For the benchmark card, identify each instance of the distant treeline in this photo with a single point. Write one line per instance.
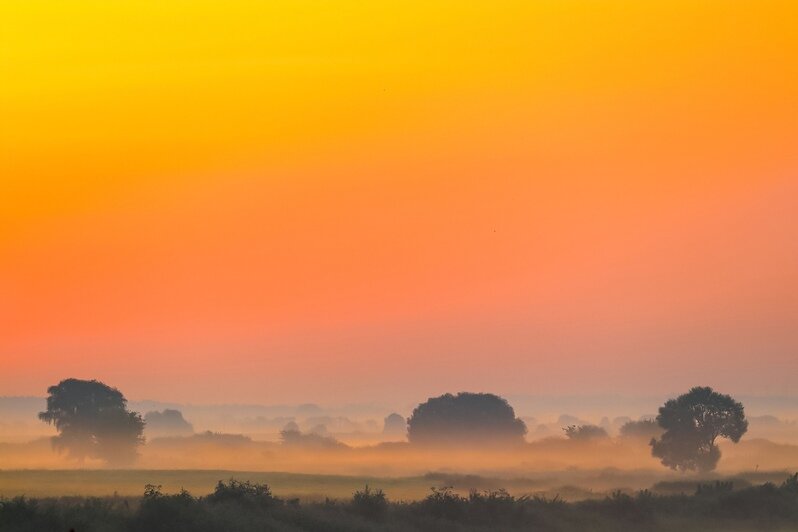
(93, 422)
(246, 506)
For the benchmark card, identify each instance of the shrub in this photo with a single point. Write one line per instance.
(719, 487)
(167, 513)
(245, 493)
(493, 507)
(371, 504)
(443, 503)
(791, 484)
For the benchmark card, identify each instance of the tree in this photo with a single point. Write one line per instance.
(294, 438)
(93, 421)
(585, 432)
(395, 426)
(291, 426)
(645, 430)
(465, 418)
(692, 423)
(169, 422)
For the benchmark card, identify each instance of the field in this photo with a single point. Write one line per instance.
(252, 506)
(569, 485)
(130, 482)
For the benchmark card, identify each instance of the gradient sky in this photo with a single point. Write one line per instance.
(340, 201)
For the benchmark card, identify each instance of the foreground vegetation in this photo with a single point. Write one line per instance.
(245, 506)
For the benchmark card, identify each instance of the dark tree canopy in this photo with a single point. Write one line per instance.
(464, 419)
(692, 423)
(93, 421)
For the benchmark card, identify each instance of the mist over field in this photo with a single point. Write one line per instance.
(84, 454)
(357, 441)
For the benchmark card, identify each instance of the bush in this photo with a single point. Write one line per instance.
(370, 504)
(719, 487)
(244, 493)
(491, 507)
(791, 484)
(249, 507)
(443, 503)
(159, 512)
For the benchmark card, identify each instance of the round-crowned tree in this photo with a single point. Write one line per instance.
(395, 426)
(168, 422)
(692, 423)
(93, 421)
(465, 419)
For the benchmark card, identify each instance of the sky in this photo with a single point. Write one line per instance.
(335, 201)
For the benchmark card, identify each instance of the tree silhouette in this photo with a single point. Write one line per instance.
(169, 422)
(692, 423)
(465, 418)
(294, 438)
(93, 421)
(645, 429)
(585, 432)
(395, 426)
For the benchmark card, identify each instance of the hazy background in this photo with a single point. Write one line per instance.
(773, 418)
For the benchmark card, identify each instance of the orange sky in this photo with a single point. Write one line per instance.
(345, 201)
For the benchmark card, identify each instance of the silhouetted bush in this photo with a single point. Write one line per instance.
(245, 506)
(244, 493)
(444, 503)
(22, 514)
(719, 487)
(158, 512)
(496, 506)
(623, 506)
(371, 504)
(791, 484)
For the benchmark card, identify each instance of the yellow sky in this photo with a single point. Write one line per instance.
(351, 188)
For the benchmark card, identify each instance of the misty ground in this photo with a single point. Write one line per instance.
(353, 448)
(549, 482)
(550, 467)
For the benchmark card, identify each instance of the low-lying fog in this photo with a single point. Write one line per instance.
(369, 440)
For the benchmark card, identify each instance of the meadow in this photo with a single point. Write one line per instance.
(244, 506)
(583, 479)
(570, 485)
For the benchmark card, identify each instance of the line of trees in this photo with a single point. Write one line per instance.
(93, 421)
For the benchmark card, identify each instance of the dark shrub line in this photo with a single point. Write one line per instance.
(244, 506)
